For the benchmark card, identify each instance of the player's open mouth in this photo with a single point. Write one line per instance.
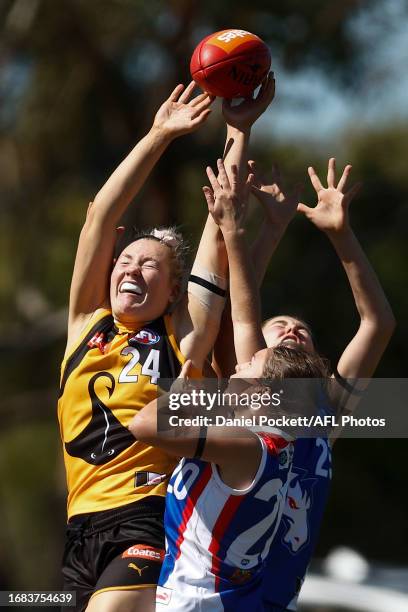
(130, 287)
(290, 342)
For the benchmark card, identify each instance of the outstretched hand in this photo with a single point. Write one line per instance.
(279, 205)
(243, 115)
(180, 114)
(331, 213)
(227, 198)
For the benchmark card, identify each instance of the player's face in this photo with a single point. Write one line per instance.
(141, 283)
(254, 368)
(288, 331)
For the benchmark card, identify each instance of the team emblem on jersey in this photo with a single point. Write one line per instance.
(295, 513)
(104, 437)
(145, 336)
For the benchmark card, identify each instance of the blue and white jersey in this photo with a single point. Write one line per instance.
(217, 537)
(298, 531)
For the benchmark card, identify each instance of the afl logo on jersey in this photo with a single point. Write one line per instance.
(145, 336)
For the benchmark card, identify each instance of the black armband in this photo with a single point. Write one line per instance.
(202, 439)
(346, 385)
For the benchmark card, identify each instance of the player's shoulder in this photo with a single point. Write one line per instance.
(82, 326)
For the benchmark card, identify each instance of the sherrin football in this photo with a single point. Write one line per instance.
(230, 63)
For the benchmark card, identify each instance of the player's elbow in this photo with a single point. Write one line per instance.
(387, 324)
(381, 327)
(141, 429)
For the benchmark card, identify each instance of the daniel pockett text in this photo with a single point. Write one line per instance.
(358, 408)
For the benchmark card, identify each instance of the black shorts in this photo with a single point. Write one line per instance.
(119, 548)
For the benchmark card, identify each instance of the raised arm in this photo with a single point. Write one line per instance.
(279, 208)
(331, 215)
(178, 115)
(197, 320)
(226, 203)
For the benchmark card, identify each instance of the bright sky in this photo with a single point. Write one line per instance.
(313, 105)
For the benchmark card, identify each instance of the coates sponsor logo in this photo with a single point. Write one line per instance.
(140, 551)
(163, 595)
(146, 336)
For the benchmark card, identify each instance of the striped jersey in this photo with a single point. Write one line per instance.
(217, 537)
(296, 538)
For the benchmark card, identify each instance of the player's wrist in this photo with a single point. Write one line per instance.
(162, 135)
(239, 129)
(339, 234)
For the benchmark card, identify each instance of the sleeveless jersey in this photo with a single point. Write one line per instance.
(217, 537)
(110, 375)
(296, 538)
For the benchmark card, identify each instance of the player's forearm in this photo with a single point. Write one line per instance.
(211, 254)
(371, 302)
(245, 302)
(126, 181)
(263, 248)
(236, 151)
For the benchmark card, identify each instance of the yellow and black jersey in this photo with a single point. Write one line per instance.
(110, 375)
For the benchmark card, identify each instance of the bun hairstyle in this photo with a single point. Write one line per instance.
(166, 235)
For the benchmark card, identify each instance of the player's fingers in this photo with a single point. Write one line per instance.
(185, 96)
(198, 99)
(248, 185)
(267, 90)
(209, 196)
(252, 167)
(305, 210)
(331, 172)
(260, 178)
(203, 105)
(234, 177)
(222, 174)
(343, 180)
(314, 179)
(197, 121)
(176, 92)
(213, 179)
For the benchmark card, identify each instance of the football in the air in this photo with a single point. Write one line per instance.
(230, 63)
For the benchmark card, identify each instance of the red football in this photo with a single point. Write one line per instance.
(230, 63)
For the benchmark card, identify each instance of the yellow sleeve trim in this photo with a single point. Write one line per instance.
(196, 373)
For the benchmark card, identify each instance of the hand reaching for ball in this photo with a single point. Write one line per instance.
(227, 198)
(243, 115)
(181, 114)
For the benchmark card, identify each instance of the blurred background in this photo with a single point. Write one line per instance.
(79, 84)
